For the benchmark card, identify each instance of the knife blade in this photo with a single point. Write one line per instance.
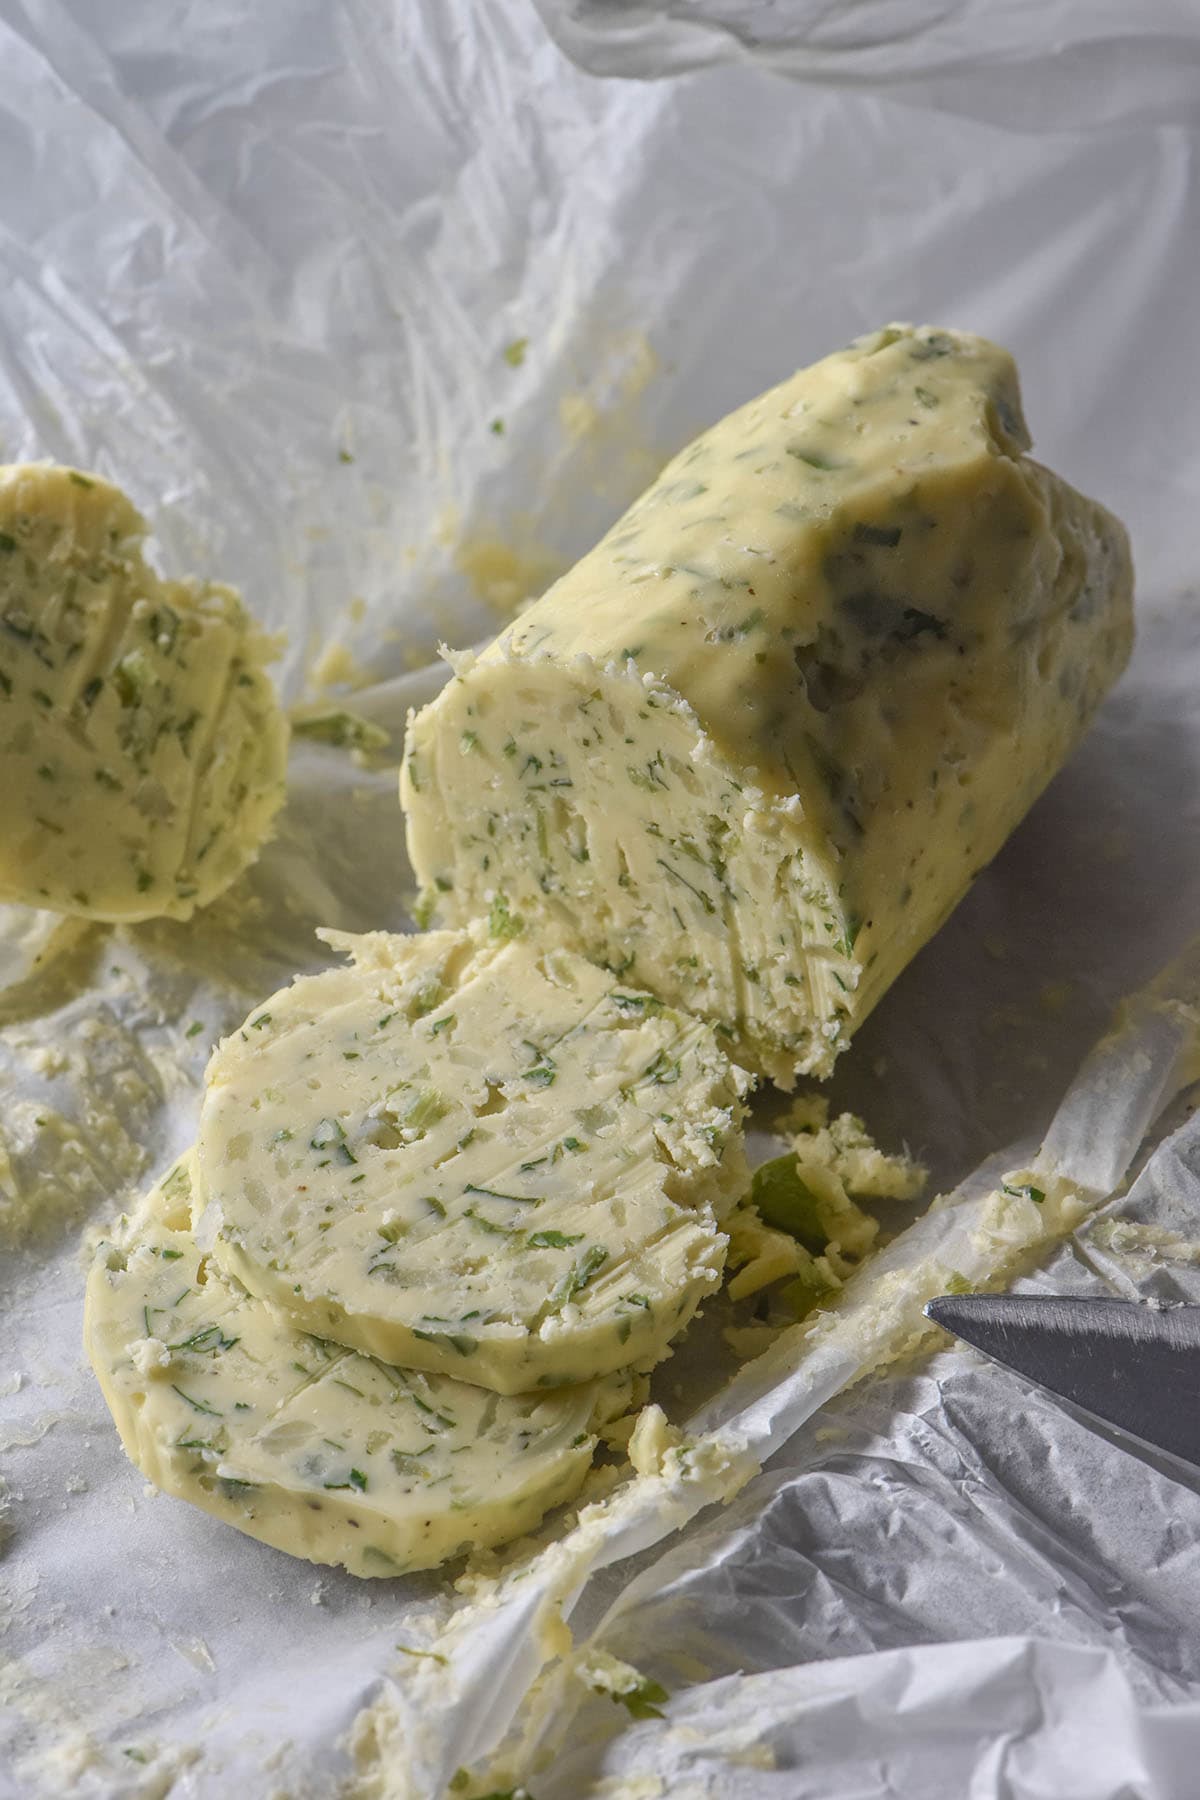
(1131, 1364)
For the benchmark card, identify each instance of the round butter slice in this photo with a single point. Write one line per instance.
(474, 1157)
(142, 747)
(304, 1445)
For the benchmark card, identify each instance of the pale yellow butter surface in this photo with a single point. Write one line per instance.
(306, 1446)
(142, 748)
(467, 1154)
(756, 745)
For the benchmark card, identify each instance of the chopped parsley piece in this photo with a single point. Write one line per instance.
(589, 1265)
(196, 1405)
(494, 1194)
(785, 1201)
(664, 1071)
(330, 1135)
(355, 1479)
(641, 1702)
(502, 921)
(205, 1342)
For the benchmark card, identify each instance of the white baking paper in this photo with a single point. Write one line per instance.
(1110, 64)
(282, 272)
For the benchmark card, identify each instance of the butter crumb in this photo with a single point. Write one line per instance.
(148, 1354)
(651, 1439)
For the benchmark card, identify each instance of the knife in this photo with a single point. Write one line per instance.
(1131, 1364)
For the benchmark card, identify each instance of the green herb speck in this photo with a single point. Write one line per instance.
(196, 1405)
(643, 1701)
(503, 923)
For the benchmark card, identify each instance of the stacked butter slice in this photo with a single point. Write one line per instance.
(445, 1202)
(303, 1444)
(692, 812)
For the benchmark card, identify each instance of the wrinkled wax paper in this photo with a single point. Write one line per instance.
(383, 316)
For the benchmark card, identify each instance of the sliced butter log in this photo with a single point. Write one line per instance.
(314, 1449)
(755, 746)
(142, 748)
(484, 1160)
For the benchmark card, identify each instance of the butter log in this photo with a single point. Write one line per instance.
(753, 749)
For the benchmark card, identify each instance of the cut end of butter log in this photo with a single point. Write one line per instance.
(471, 1156)
(142, 747)
(753, 749)
(300, 1443)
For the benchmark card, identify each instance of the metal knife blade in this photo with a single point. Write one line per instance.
(1128, 1363)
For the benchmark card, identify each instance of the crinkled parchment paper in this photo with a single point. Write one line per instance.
(383, 316)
